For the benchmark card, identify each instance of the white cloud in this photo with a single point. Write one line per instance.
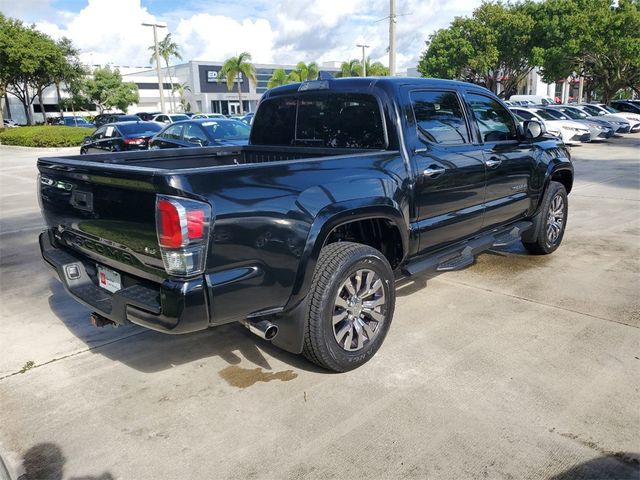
(285, 31)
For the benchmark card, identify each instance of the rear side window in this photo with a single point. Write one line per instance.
(494, 121)
(439, 117)
(320, 119)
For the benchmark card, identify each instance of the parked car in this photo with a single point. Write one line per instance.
(103, 118)
(632, 118)
(208, 115)
(571, 132)
(299, 235)
(248, 118)
(533, 99)
(626, 106)
(120, 136)
(74, 122)
(169, 118)
(599, 130)
(8, 123)
(201, 132)
(621, 124)
(147, 116)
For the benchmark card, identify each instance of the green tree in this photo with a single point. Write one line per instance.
(68, 75)
(304, 72)
(493, 46)
(235, 67)
(167, 48)
(352, 68)
(181, 89)
(375, 69)
(595, 38)
(278, 77)
(107, 90)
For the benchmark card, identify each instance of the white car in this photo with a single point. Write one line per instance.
(532, 99)
(208, 115)
(569, 131)
(166, 118)
(606, 111)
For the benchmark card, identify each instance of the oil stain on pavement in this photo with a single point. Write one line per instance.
(245, 377)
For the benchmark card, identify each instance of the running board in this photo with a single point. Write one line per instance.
(464, 254)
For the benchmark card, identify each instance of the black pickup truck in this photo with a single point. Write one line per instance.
(345, 185)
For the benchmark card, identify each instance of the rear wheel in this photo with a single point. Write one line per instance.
(549, 225)
(352, 299)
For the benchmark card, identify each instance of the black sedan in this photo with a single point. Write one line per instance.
(201, 133)
(119, 136)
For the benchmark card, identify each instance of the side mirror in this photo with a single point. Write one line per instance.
(196, 141)
(87, 139)
(533, 129)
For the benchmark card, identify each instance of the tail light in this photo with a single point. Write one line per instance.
(183, 234)
(135, 141)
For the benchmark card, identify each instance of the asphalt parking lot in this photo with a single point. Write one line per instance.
(518, 367)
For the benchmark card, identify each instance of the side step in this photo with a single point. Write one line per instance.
(464, 254)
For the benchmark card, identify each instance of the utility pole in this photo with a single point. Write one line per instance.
(392, 37)
(157, 55)
(364, 65)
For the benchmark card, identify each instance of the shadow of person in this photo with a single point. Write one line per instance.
(45, 461)
(615, 466)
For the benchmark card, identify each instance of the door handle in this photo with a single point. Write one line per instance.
(493, 162)
(433, 172)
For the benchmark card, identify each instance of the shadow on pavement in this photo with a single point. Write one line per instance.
(45, 461)
(617, 466)
(149, 351)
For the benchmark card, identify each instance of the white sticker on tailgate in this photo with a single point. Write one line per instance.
(109, 279)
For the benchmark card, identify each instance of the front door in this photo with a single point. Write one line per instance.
(510, 161)
(450, 181)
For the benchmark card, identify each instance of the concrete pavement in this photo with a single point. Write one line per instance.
(517, 367)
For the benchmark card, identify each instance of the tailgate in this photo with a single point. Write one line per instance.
(107, 212)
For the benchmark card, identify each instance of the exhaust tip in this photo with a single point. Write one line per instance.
(271, 332)
(263, 328)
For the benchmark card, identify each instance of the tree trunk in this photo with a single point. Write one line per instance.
(6, 100)
(4, 96)
(173, 103)
(59, 99)
(240, 97)
(27, 105)
(41, 103)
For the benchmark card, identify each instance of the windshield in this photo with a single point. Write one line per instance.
(140, 127)
(569, 112)
(227, 130)
(611, 109)
(544, 115)
(178, 118)
(74, 121)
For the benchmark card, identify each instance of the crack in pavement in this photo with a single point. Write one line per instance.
(537, 302)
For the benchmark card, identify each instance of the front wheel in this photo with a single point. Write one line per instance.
(352, 299)
(549, 224)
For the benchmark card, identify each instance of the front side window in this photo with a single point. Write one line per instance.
(320, 119)
(227, 129)
(439, 117)
(194, 134)
(494, 121)
(174, 132)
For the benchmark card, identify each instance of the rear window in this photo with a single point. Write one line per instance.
(320, 119)
(140, 127)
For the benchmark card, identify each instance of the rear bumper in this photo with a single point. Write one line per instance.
(175, 306)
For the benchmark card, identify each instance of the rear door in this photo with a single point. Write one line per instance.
(509, 159)
(450, 180)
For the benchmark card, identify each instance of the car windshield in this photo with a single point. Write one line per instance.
(557, 114)
(572, 113)
(75, 121)
(592, 110)
(544, 115)
(226, 130)
(178, 118)
(139, 127)
(611, 109)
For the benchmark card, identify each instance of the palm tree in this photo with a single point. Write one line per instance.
(167, 48)
(278, 78)
(181, 89)
(352, 68)
(304, 72)
(237, 66)
(376, 69)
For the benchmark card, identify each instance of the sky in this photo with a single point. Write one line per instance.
(276, 31)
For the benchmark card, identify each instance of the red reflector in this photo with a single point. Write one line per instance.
(195, 223)
(170, 231)
(134, 141)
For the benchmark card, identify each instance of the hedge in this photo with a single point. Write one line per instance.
(44, 136)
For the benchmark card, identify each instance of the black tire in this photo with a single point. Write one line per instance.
(339, 263)
(538, 240)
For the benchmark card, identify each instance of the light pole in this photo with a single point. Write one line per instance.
(157, 55)
(364, 65)
(392, 37)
